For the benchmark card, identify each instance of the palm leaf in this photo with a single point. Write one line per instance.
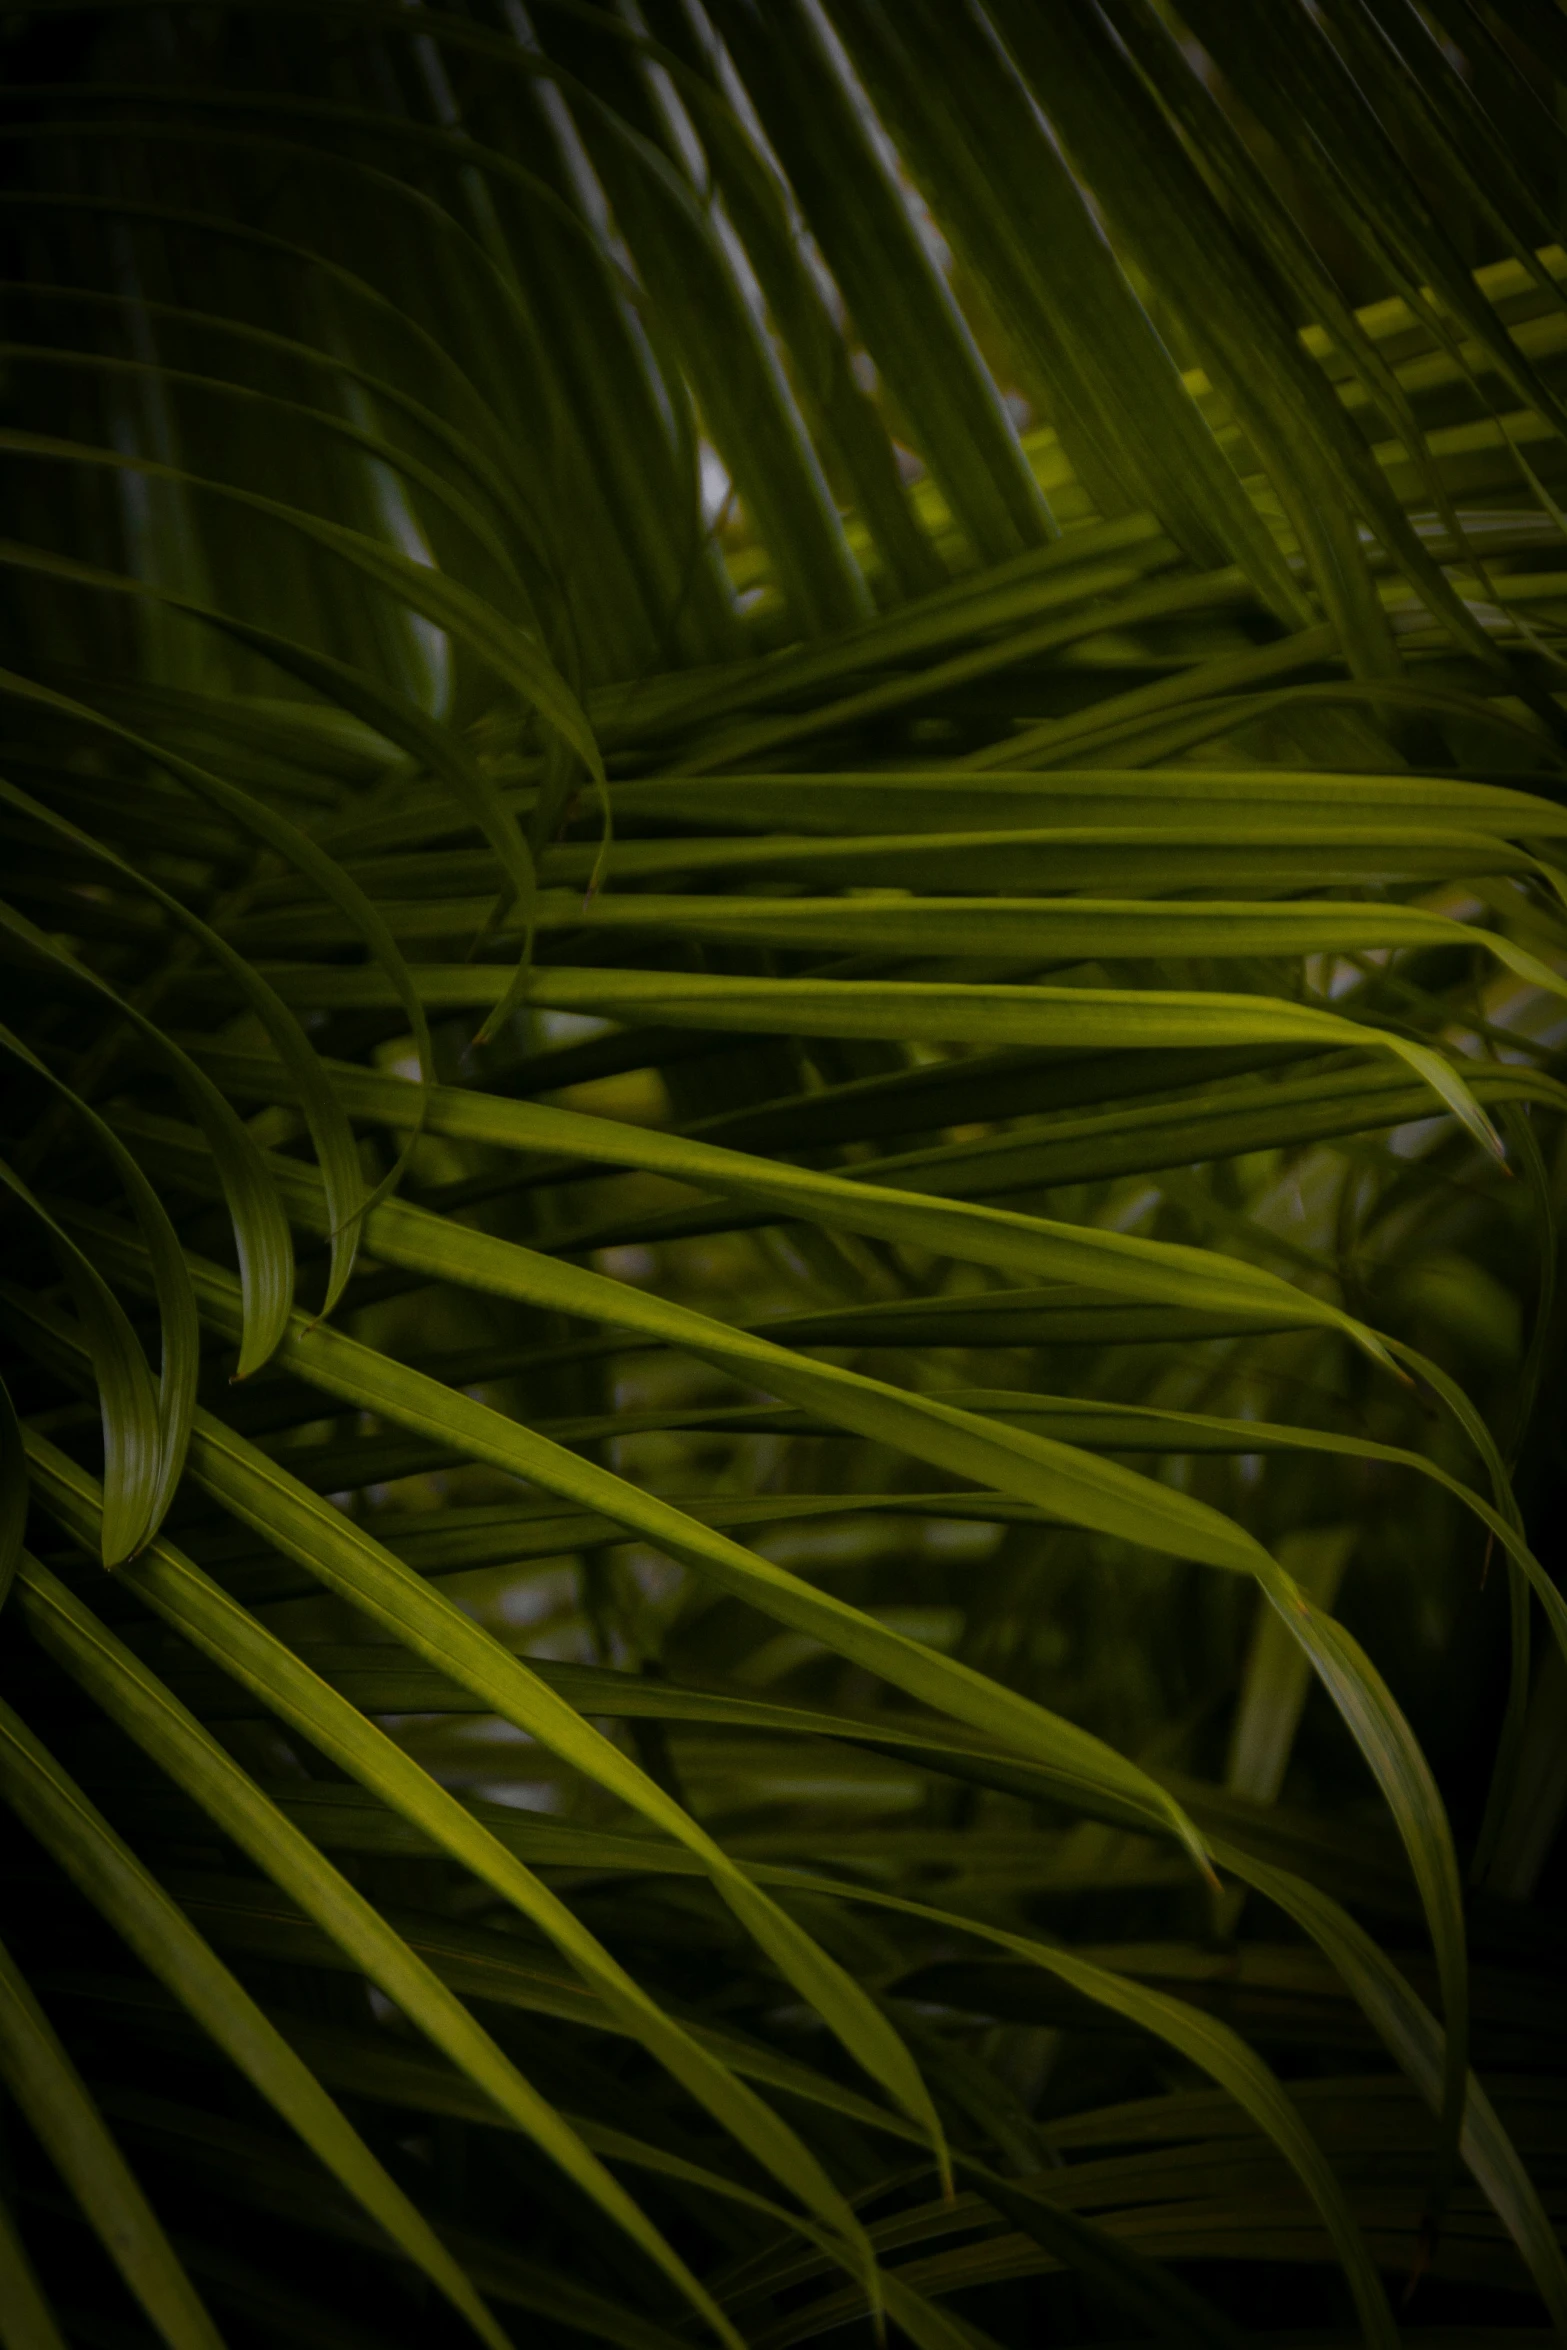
(733, 1602)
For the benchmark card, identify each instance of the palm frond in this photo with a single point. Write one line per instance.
(784, 945)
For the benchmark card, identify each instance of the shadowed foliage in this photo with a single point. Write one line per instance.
(785, 805)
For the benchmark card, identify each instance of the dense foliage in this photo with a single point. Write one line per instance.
(784, 792)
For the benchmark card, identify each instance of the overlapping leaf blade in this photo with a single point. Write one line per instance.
(1058, 606)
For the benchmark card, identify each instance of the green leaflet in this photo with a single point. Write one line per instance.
(1409, 1788)
(274, 2183)
(334, 1150)
(157, 1930)
(1227, 2060)
(354, 1564)
(26, 2320)
(51, 2093)
(394, 717)
(161, 1726)
(1251, 197)
(1088, 928)
(900, 301)
(1039, 1470)
(521, 663)
(947, 799)
(177, 1317)
(749, 739)
(261, 1238)
(306, 111)
(334, 1143)
(367, 2065)
(1136, 1428)
(1157, 1514)
(1108, 1019)
(1109, 384)
(689, 267)
(1095, 1492)
(840, 414)
(132, 1445)
(1409, 2029)
(462, 511)
(1158, 203)
(1305, 88)
(1284, 1113)
(353, 2060)
(1418, 2043)
(1105, 1495)
(487, 478)
(1406, 2026)
(1074, 929)
(1029, 1248)
(1063, 1482)
(1154, 853)
(240, 1914)
(399, 720)
(447, 379)
(1509, 1749)
(187, 1599)
(1069, 570)
(357, 2062)
(1085, 1018)
(507, 1534)
(1142, 2288)
(1160, 722)
(1126, 2279)
(234, 1469)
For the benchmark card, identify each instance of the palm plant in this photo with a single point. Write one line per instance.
(783, 939)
